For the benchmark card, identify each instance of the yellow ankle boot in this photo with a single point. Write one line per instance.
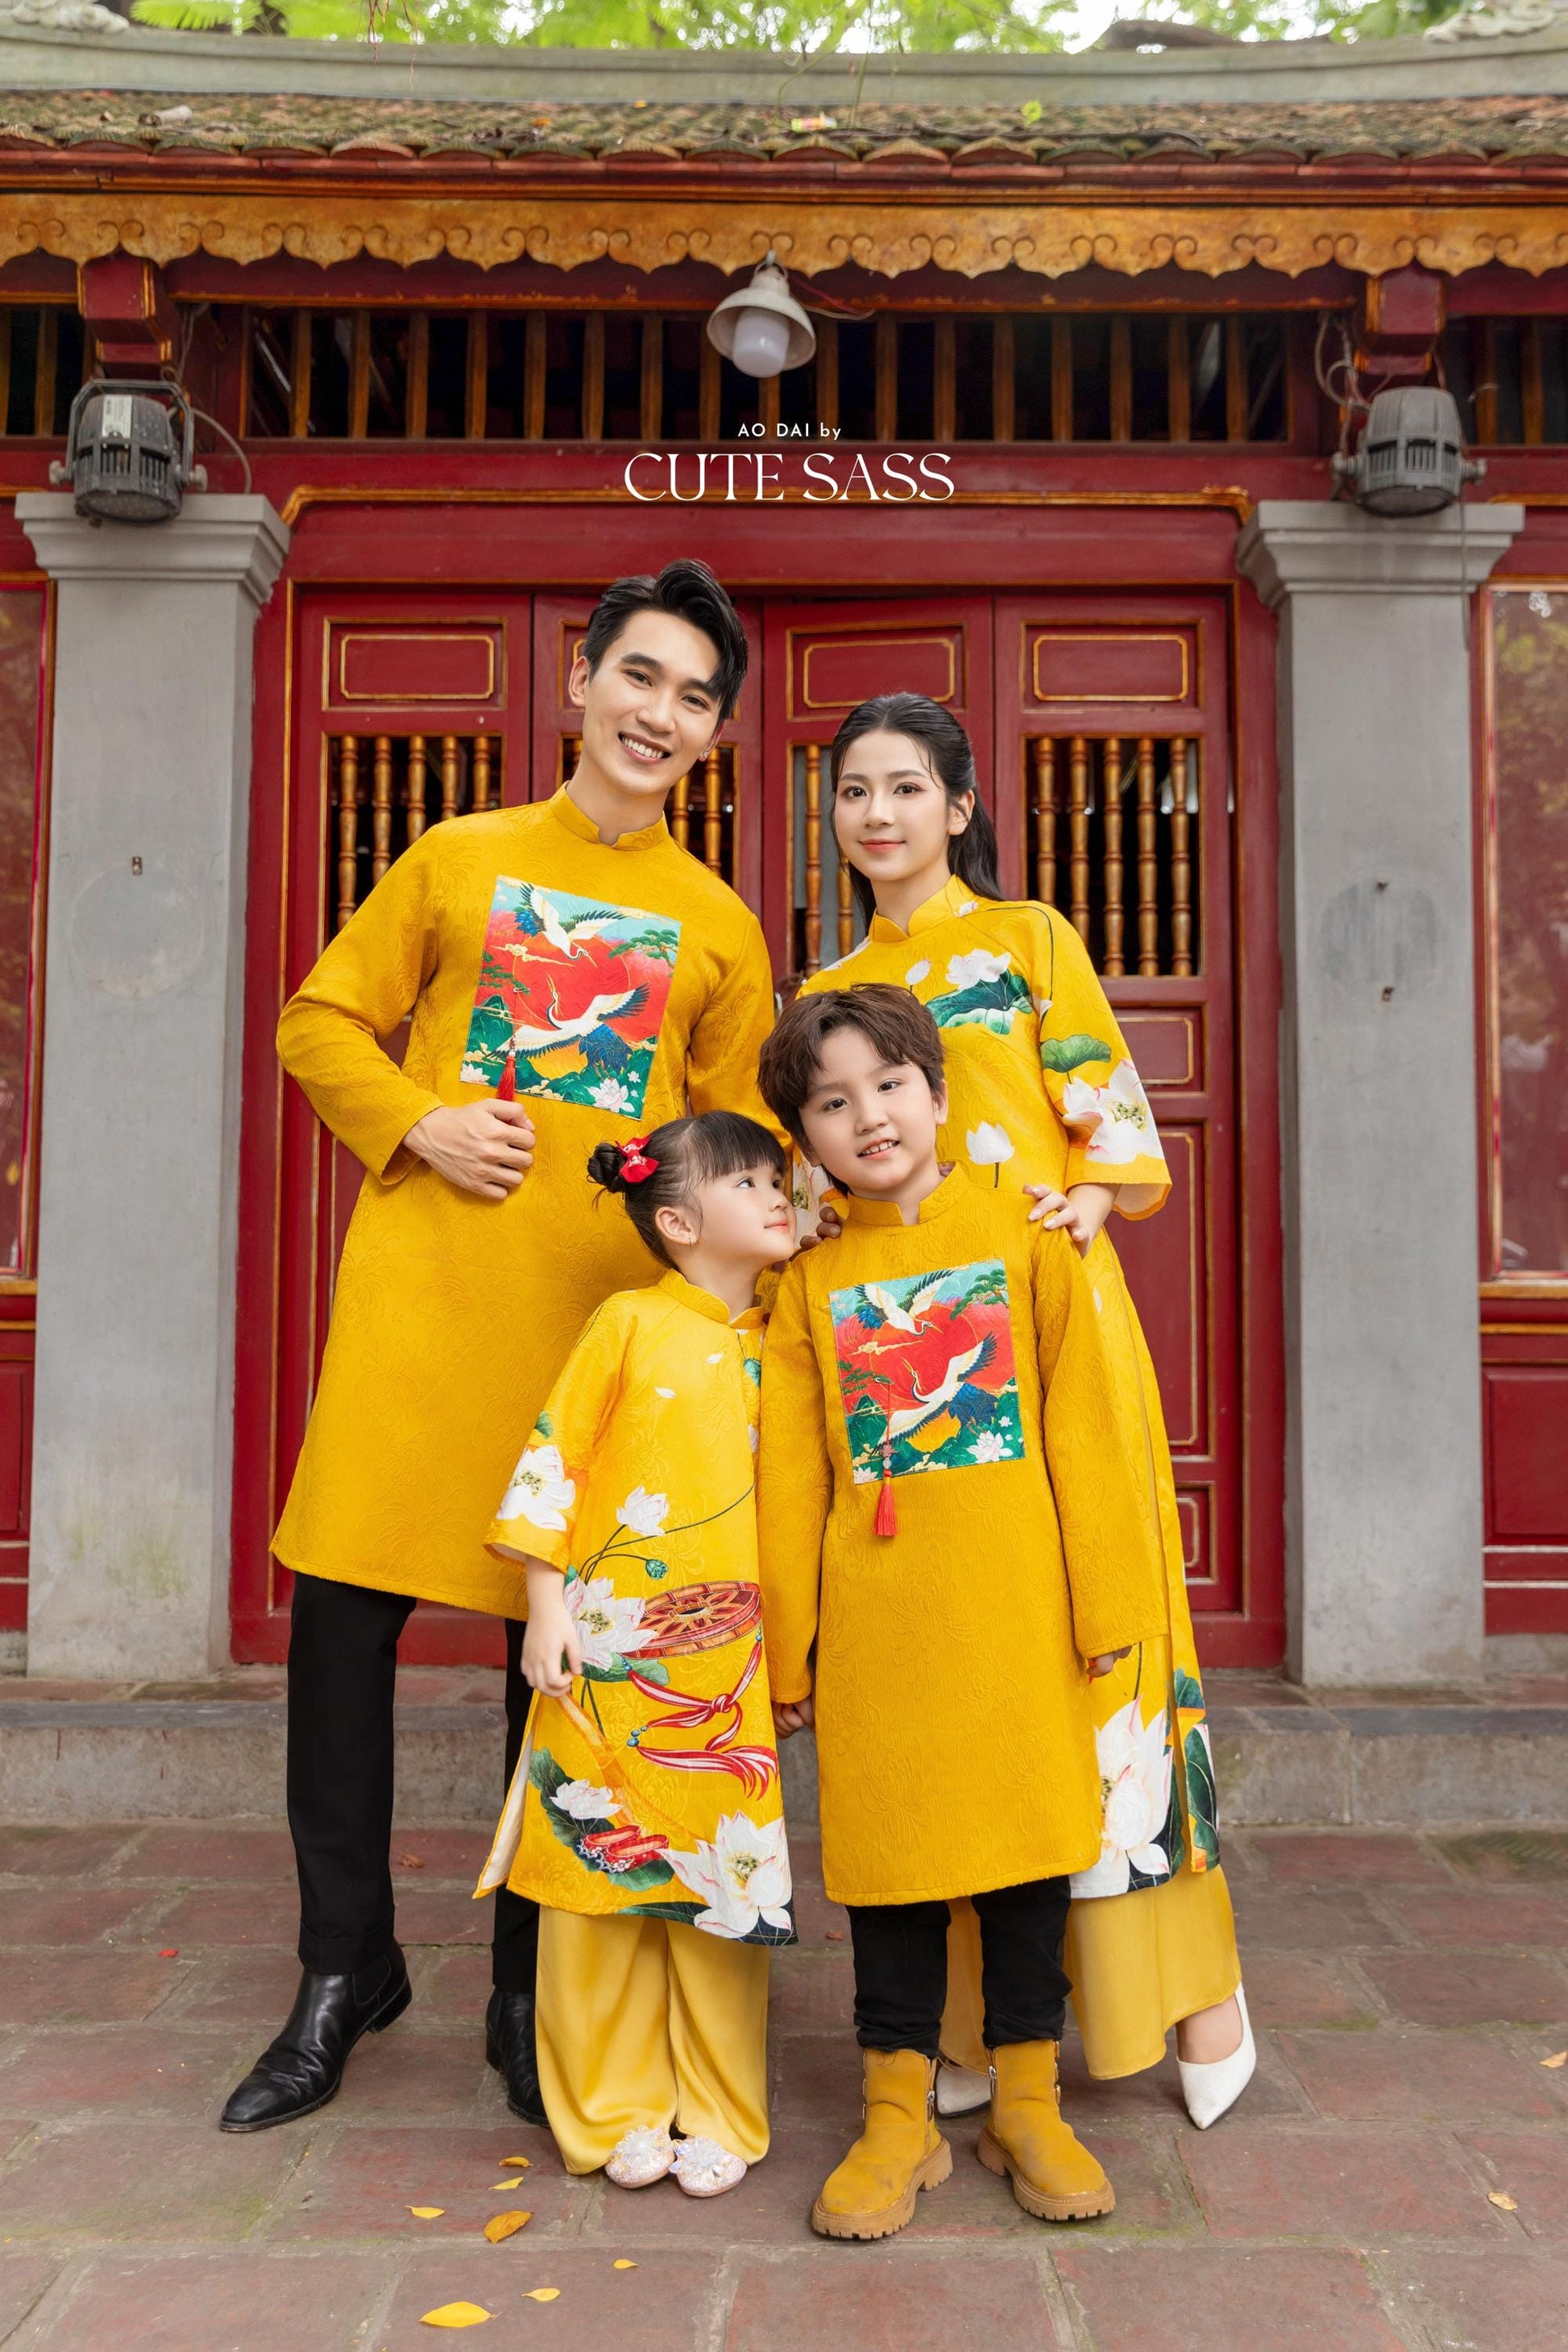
(1053, 2173)
(899, 2151)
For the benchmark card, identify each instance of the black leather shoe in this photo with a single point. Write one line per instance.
(304, 2067)
(509, 2046)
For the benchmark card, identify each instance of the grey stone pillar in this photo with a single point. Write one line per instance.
(1378, 1083)
(143, 1013)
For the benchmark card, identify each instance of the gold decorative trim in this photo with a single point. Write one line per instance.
(340, 494)
(810, 232)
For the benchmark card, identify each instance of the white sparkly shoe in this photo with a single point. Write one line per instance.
(703, 2168)
(960, 2090)
(1210, 2088)
(641, 2157)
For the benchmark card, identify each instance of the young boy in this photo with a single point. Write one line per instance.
(948, 1516)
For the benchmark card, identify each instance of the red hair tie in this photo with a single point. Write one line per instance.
(635, 1165)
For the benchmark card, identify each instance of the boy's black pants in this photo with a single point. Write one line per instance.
(900, 1968)
(342, 1667)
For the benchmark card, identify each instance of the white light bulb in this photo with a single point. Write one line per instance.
(762, 342)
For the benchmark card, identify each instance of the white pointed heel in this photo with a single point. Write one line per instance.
(1210, 2089)
(960, 2090)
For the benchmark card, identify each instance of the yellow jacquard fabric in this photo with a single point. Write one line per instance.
(954, 1740)
(628, 983)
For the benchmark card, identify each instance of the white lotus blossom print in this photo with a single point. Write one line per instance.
(607, 1627)
(1135, 1780)
(611, 1095)
(540, 1492)
(743, 1876)
(989, 1447)
(644, 1513)
(917, 973)
(1117, 1115)
(988, 1145)
(972, 970)
(585, 1802)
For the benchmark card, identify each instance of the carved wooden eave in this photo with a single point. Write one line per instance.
(1363, 213)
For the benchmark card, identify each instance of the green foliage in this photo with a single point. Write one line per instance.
(1361, 20)
(338, 20)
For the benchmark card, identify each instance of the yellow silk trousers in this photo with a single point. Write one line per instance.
(1138, 1964)
(649, 2022)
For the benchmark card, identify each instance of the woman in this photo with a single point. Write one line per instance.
(1045, 1098)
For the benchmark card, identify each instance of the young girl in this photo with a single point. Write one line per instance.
(1044, 1097)
(644, 1815)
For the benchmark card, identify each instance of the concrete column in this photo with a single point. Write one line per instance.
(134, 1406)
(1378, 1083)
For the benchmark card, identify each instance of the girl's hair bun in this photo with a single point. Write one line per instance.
(604, 1167)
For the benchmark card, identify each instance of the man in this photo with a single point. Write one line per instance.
(571, 975)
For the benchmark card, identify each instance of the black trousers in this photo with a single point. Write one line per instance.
(900, 1968)
(342, 1669)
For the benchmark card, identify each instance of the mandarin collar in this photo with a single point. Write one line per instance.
(565, 811)
(955, 897)
(702, 1302)
(949, 1194)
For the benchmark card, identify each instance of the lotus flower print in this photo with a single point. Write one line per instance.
(607, 1627)
(743, 1876)
(988, 1145)
(1135, 1779)
(644, 1513)
(971, 970)
(916, 973)
(1118, 1116)
(611, 1095)
(585, 1802)
(540, 1492)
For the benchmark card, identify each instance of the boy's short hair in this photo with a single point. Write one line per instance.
(688, 591)
(890, 1019)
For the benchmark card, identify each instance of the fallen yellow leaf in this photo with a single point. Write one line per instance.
(426, 2212)
(622, 2263)
(542, 2294)
(505, 2225)
(517, 2163)
(1495, 2197)
(455, 2315)
(509, 2186)
(1558, 2058)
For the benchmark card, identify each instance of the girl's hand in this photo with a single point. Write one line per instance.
(799, 1716)
(551, 1653)
(1079, 1213)
(829, 1223)
(1102, 1665)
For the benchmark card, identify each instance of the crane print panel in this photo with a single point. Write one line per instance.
(569, 998)
(926, 1371)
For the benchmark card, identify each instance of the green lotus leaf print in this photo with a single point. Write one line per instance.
(983, 991)
(1064, 1054)
(571, 996)
(1198, 1763)
(592, 1822)
(926, 1367)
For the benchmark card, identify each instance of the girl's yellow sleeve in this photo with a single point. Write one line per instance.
(1094, 1088)
(721, 1058)
(537, 1516)
(365, 981)
(1115, 1567)
(794, 1485)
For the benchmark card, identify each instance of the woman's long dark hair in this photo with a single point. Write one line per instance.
(972, 854)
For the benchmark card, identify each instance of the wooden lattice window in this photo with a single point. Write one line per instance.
(1113, 831)
(44, 358)
(826, 921)
(386, 790)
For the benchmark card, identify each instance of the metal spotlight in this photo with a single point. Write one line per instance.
(122, 459)
(762, 328)
(1412, 456)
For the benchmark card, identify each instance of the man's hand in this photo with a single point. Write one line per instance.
(480, 1147)
(1079, 1213)
(1102, 1665)
(551, 1653)
(800, 1714)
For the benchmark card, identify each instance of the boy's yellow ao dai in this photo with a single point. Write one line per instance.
(955, 1745)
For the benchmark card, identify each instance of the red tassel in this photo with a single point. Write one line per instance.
(886, 1522)
(507, 1090)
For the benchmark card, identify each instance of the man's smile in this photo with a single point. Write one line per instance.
(641, 749)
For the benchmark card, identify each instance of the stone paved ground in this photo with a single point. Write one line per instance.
(1406, 1990)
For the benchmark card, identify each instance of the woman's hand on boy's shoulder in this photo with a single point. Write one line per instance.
(796, 1715)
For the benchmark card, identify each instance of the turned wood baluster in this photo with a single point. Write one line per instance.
(1045, 819)
(813, 857)
(380, 810)
(680, 813)
(1115, 918)
(713, 811)
(451, 775)
(481, 771)
(348, 827)
(418, 772)
(846, 907)
(1148, 862)
(1078, 832)
(1181, 864)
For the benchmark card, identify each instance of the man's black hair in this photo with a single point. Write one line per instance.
(688, 590)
